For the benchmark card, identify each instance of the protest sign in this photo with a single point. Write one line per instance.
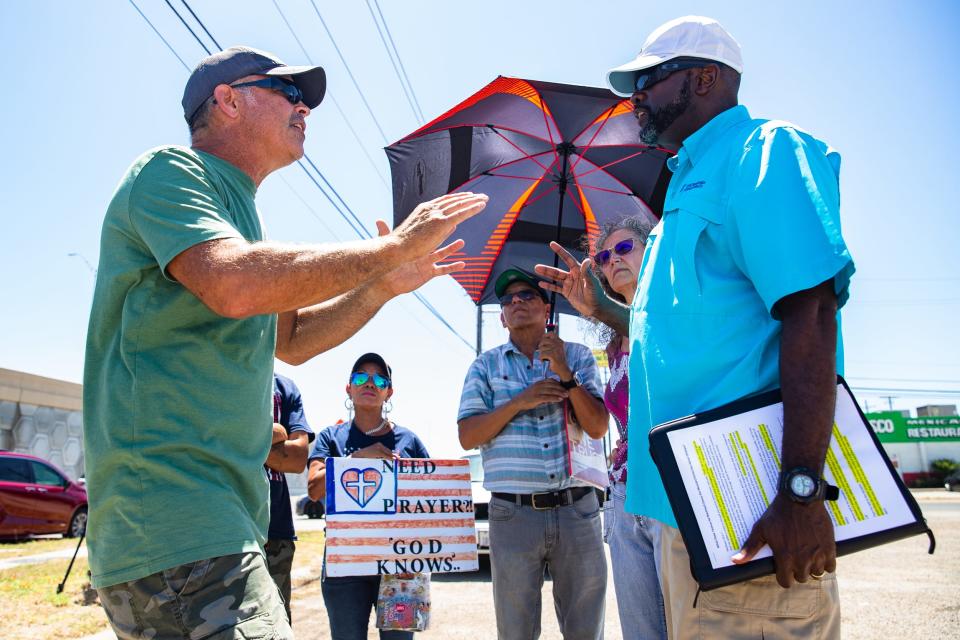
(399, 516)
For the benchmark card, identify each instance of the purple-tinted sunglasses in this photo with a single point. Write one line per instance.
(622, 248)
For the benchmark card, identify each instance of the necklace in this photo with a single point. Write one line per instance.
(377, 429)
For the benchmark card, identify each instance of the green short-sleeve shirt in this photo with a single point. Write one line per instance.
(175, 396)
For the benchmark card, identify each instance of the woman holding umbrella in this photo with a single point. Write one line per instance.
(370, 434)
(616, 266)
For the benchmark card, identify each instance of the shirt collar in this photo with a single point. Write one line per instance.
(701, 140)
(508, 346)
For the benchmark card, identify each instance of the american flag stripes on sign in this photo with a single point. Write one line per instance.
(399, 516)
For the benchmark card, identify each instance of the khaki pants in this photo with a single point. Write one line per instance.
(751, 610)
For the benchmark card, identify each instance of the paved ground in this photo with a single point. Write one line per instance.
(43, 557)
(893, 591)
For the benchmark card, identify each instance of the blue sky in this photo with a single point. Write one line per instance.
(92, 87)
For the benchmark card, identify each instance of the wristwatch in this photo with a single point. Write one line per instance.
(571, 383)
(804, 485)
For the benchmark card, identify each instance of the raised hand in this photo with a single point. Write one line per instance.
(579, 285)
(410, 276)
(432, 222)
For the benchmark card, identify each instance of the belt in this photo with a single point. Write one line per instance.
(547, 500)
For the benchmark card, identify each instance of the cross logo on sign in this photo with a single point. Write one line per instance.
(361, 484)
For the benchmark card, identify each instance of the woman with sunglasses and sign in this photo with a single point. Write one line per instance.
(620, 249)
(369, 434)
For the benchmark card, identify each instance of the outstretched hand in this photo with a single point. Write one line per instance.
(432, 222)
(410, 276)
(580, 285)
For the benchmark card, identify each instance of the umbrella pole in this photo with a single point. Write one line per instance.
(479, 328)
(564, 148)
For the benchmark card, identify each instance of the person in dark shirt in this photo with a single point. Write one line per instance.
(288, 454)
(370, 434)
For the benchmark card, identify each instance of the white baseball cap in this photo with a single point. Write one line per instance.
(686, 37)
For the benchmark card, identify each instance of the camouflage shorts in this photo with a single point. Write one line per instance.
(215, 599)
(280, 563)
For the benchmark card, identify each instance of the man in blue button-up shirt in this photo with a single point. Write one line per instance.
(513, 409)
(738, 294)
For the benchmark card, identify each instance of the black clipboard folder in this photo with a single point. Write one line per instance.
(704, 572)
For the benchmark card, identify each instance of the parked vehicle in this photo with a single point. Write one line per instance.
(313, 509)
(38, 498)
(952, 481)
(481, 502)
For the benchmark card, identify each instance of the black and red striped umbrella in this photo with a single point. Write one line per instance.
(556, 160)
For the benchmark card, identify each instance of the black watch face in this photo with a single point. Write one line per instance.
(803, 485)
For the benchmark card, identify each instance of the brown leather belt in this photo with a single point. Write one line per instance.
(544, 501)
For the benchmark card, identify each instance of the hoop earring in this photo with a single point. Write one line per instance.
(387, 407)
(348, 404)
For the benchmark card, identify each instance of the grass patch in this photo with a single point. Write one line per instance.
(32, 608)
(310, 544)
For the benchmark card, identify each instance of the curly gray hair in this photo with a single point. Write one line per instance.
(640, 228)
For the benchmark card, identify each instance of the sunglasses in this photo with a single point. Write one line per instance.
(359, 378)
(622, 248)
(660, 72)
(526, 295)
(289, 90)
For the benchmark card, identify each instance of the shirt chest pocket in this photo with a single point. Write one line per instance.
(677, 277)
(506, 388)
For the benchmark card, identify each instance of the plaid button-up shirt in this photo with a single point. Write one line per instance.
(530, 454)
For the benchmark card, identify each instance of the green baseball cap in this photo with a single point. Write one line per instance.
(515, 274)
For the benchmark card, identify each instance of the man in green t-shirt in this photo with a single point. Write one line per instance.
(191, 306)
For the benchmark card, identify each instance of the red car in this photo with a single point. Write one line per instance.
(36, 497)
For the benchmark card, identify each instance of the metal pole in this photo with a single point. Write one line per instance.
(60, 586)
(479, 328)
(564, 149)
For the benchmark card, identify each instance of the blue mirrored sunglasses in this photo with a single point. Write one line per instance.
(622, 248)
(289, 90)
(359, 378)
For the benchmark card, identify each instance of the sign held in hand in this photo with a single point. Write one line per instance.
(399, 516)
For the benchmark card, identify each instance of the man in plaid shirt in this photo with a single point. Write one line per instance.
(514, 405)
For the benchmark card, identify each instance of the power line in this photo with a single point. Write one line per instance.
(345, 65)
(359, 228)
(200, 22)
(396, 70)
(189, 28)
(884, 391)
(310, 209)
(396, 52)
(160, 35)
(329, 95)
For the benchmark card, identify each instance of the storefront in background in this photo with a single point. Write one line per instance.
(913, 443)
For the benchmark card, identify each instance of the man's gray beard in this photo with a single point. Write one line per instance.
(660, 120)
(649, 133)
